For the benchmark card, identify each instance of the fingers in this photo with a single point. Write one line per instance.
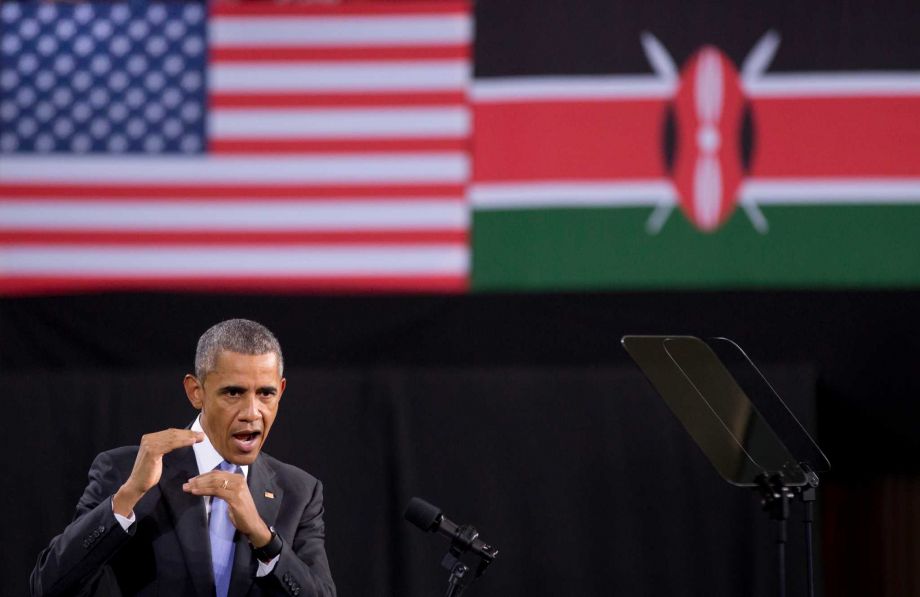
(217, 483)
(163, 442)
(231, 488)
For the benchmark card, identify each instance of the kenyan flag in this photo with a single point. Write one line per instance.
(687, 145)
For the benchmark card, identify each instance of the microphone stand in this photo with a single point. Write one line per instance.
(459, 577)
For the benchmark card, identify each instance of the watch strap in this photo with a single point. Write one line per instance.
(270, 550)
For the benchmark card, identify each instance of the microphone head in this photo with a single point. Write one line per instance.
(422, 514)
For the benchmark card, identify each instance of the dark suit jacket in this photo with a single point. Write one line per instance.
(167, 551)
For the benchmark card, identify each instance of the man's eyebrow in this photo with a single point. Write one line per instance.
(268, 390)
(232, 389)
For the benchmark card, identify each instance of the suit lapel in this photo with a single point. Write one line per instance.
(261, 480)
(189, 518)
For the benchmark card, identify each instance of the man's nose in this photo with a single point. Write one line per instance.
(250, 408)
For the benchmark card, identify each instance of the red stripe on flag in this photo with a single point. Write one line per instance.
(334, 100)
(267, 9)
(418, 53)
(245, 193)
(33, 285)
(250, 146)
(836, 137)
(604, 139)
(239, 237)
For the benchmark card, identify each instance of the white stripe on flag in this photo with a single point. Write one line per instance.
(142, 262)
(560, 193)
(340, 123)
(818, 84)
(335, 31)
(339, 76)
(830, 191)
(255, 216)
(364, 168)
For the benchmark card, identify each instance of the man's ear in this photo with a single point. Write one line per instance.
(193, 390)
(281, 389)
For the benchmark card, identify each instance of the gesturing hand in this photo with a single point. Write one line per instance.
(148, 466)
(232, 488)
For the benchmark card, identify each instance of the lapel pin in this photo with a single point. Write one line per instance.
(269, 495)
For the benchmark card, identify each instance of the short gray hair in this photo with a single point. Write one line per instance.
(236, 335)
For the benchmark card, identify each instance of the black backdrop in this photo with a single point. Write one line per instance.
(519, 413)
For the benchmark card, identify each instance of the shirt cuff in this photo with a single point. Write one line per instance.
(265, 569)
(124, 521)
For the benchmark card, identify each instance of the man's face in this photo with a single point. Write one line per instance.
(238, 400)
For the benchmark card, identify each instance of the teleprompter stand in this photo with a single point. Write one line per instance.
(724, 403)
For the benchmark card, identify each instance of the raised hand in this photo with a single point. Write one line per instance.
(148, 466)
(232, 488)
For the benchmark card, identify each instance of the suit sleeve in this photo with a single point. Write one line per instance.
(303, 570)
(76, 556)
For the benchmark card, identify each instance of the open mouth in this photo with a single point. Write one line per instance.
(246, 441)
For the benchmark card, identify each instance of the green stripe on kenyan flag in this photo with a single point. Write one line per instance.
(826, 246)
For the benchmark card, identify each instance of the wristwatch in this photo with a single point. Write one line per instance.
(270, 550)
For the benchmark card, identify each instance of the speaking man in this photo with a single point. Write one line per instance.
(200, 511)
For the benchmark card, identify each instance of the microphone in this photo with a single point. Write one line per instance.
(429, 518)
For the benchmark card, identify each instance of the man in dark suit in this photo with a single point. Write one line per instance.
(200, 511)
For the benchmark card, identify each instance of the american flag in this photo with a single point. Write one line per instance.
(242, 147)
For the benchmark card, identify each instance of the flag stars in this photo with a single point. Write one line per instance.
(102, 30)
(64, 65)
(65, 29)
(118, 81)
(83, 13)
(44, 143)
(83, 45)
(47, 45)
(156, 46)
(27, 127)
(44, 80)
(100, 77)
(192, 14)
(138, 30)
(47, 13)
(193, 46)
(9, 80)
(8, 111)
(28, 64)
(119, 45)
(9, 13)
(117, 144)
(174, 30)
(10, 44)
(82, 80)
(120, 14)
(28, 29)
(100, 65)
(8, 142)
(117, 112)
(25, 97)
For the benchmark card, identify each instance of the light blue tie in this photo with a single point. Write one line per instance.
(222, 531)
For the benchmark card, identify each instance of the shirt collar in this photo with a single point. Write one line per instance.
(206, 456)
